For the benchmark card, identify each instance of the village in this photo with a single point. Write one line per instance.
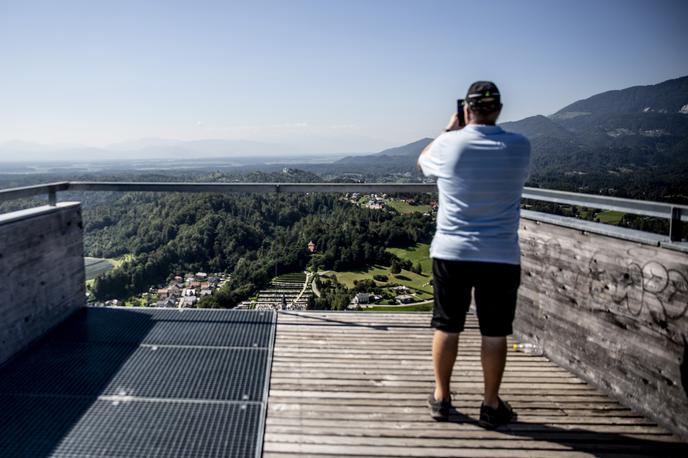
(181, 292)
(373, 288)
(382, 201)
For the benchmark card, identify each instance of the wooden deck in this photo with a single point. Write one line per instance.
(356, 384)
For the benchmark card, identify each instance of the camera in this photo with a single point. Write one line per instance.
(459, 112)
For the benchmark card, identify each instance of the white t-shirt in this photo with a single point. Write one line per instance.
(480, 172)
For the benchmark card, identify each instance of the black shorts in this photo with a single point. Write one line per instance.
(496, 290)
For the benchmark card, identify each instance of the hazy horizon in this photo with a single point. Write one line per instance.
(310, 78)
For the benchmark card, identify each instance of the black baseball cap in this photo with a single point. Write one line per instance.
(483, 95)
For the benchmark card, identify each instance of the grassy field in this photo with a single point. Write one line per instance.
(294, 277)
(401, 308)
(97, 266)
(403, 207)
(610, 217)
(122, 259)
(416, 282)
(419, 252)
(606, 216)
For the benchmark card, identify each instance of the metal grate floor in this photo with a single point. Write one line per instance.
(85, 427)
(117, 382)
(241, 328)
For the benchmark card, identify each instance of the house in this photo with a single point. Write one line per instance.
(170, 301)
(163, 293)
(206, 292)
(404, 298)
(401, 288)
(188, 301)
(362, 298)
(188, 292)
(201, 276)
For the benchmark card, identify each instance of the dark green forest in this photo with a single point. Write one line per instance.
(252, 236)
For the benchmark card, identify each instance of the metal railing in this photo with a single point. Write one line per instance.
(676, 214)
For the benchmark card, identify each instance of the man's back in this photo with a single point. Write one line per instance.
(480, 170)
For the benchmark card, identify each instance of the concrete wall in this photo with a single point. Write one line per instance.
(613, 311)
(42, 272)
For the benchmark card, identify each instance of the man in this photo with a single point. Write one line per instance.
(480, 170)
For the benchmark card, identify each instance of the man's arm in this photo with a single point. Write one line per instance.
(453, 124)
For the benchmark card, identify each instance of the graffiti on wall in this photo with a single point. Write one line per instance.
(633, 282)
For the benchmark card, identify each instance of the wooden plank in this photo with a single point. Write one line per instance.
(316, 410)
(368, 375)
(422, 390)
(363, 450)
(412, 421)
(613, 443)
(600, 434)
(379, 419)
(421, 395)
(403, 413)
(464, 402)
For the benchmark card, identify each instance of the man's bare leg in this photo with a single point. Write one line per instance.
(493, 358)
(445, 346)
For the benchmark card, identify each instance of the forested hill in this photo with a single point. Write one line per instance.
(670, 96)
(252, 236)
(630, 143)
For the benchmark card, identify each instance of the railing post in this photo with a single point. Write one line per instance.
(52, 197)
(675, 225)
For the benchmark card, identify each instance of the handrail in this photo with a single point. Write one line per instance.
(250, 187)
(675, 213)
(50, 189)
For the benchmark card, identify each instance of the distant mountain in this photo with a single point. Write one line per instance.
(631, 142)
(408, 150)
(14, 151)
(411, 149)
(538, 126)
(668, 97)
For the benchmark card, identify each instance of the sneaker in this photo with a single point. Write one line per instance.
(439, 410)
(491, 418)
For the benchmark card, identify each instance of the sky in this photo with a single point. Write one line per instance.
(325, 77)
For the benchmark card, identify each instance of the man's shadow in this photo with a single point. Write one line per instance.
(596, 443)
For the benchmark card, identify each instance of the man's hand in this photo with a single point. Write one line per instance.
(453, 123)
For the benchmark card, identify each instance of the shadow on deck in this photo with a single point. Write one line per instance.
(355, 384)
(140, 383)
